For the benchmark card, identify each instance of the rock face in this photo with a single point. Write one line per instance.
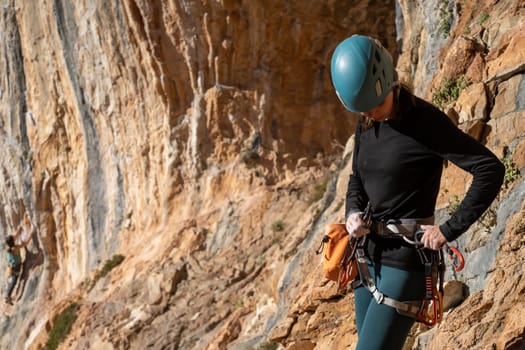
(202, 142)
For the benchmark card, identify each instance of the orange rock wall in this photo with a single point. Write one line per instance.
(202, 141)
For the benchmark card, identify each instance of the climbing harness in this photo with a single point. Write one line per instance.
(428, 311)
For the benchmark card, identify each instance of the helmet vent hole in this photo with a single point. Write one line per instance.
(378, 88)
(374, 69)
(378, 57)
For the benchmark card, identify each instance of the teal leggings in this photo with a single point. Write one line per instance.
(380, 326)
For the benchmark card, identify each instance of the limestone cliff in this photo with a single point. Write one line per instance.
(202, 142)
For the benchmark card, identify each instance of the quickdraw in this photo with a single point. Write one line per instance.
(348, 268)
(431, 311)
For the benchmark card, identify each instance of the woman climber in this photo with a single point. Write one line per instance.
(401, 142)
(14, 256)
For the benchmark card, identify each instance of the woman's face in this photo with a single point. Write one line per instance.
(383, 111)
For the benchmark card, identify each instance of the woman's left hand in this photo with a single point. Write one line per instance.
(433, 238)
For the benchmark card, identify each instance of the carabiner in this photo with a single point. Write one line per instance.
(458, 262)
(416, 241)
(347, 273)
(436, 315)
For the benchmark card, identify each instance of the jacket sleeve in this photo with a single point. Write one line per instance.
(452, 144)
(356, 198)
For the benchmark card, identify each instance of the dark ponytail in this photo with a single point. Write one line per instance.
(10, 241)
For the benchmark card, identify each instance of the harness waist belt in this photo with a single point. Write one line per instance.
(401, 227)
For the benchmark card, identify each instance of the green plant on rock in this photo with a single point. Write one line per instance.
(278, 226)
(483, 17)
(269, 346)
(319, 191)
(339, 205)
(109, 265)
(62, 326)
(265, 346)
(453, 204)
(445, 18)
(511, 171)
(239, 303)
(449, 91)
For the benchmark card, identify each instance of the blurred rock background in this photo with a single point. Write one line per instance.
(180, 160)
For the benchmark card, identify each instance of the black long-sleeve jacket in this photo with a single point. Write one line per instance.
(397, 166)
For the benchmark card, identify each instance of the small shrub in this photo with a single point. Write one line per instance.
(62, 326)
(269, 346)
(109, 265)
(453, 204)
(319, 191)
(339, 205)
(483, 18)
(511, 172)
(449, 91)
(445, 18)
(239, 304)
(278, 226)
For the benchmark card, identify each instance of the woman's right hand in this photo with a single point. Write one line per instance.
(355, 226)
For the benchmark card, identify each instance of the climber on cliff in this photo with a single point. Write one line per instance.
(401, 142)
(14, 257)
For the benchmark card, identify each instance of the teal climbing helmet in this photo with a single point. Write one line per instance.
(362, 73)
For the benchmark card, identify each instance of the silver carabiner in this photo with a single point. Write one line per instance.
(417, 238)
